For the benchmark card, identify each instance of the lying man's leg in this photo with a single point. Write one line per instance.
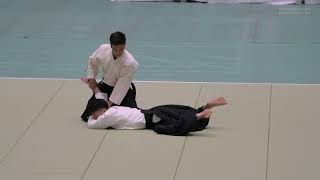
(215, 102)
(205, 114)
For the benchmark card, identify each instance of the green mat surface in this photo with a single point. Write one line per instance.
(172, 41)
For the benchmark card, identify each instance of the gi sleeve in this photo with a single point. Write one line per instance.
(104, 121)
(93, 65)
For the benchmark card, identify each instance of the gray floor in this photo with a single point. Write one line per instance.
(267, 132)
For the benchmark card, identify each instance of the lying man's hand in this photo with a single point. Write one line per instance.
(109, 104)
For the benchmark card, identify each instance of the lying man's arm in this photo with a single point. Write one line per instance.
(104, 121)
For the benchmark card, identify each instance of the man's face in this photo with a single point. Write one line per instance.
(117, 50)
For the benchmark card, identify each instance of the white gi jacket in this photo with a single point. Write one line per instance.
(117, 117)
(117, 73)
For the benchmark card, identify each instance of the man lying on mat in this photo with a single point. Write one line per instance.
(175, 120)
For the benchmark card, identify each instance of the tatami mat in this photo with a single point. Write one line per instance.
(158, 93)
(235, 144)
(137, 155)
(47, 139)
(57, 145)
(21, 103)
(294, 133)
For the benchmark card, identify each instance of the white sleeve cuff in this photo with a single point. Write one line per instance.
(103, 96)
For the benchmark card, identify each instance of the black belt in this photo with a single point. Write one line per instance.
(108, 89)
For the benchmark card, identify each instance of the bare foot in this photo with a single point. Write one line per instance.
(85, 80)
(207, 113)
(204, 114)
(215, 102)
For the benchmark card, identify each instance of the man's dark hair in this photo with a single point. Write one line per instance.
(96, 104)
(117, 38)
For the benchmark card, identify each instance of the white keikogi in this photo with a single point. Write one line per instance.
(117, 73)
(118, 117)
